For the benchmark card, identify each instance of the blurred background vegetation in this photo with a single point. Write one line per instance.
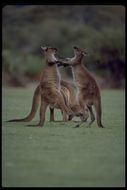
(99, 29)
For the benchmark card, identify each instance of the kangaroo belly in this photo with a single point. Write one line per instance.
(66, 95)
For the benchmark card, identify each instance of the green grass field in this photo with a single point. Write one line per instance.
(58, 155)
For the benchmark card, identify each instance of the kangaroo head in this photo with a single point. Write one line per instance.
(78, 55)
(79, 52)
(49, 53)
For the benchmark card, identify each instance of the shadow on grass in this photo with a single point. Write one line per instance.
(33, 125)
(59, 121)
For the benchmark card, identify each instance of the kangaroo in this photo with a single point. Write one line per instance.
(89, 92)
(49, 89)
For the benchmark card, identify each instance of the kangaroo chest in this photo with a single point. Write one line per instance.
(51, 77)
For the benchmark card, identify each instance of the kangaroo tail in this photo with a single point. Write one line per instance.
(35, 104)
(98, 110)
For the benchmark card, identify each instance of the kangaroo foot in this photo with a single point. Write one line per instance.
(39, 125)
(101, 126)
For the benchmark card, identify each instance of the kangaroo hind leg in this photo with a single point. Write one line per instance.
(43, 108)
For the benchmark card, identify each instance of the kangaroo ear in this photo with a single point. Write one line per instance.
(44, 48)
(75, 47)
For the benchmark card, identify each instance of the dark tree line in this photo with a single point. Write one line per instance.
(98, 29)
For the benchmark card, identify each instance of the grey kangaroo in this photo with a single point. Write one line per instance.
(89, 92)
(48, 89)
